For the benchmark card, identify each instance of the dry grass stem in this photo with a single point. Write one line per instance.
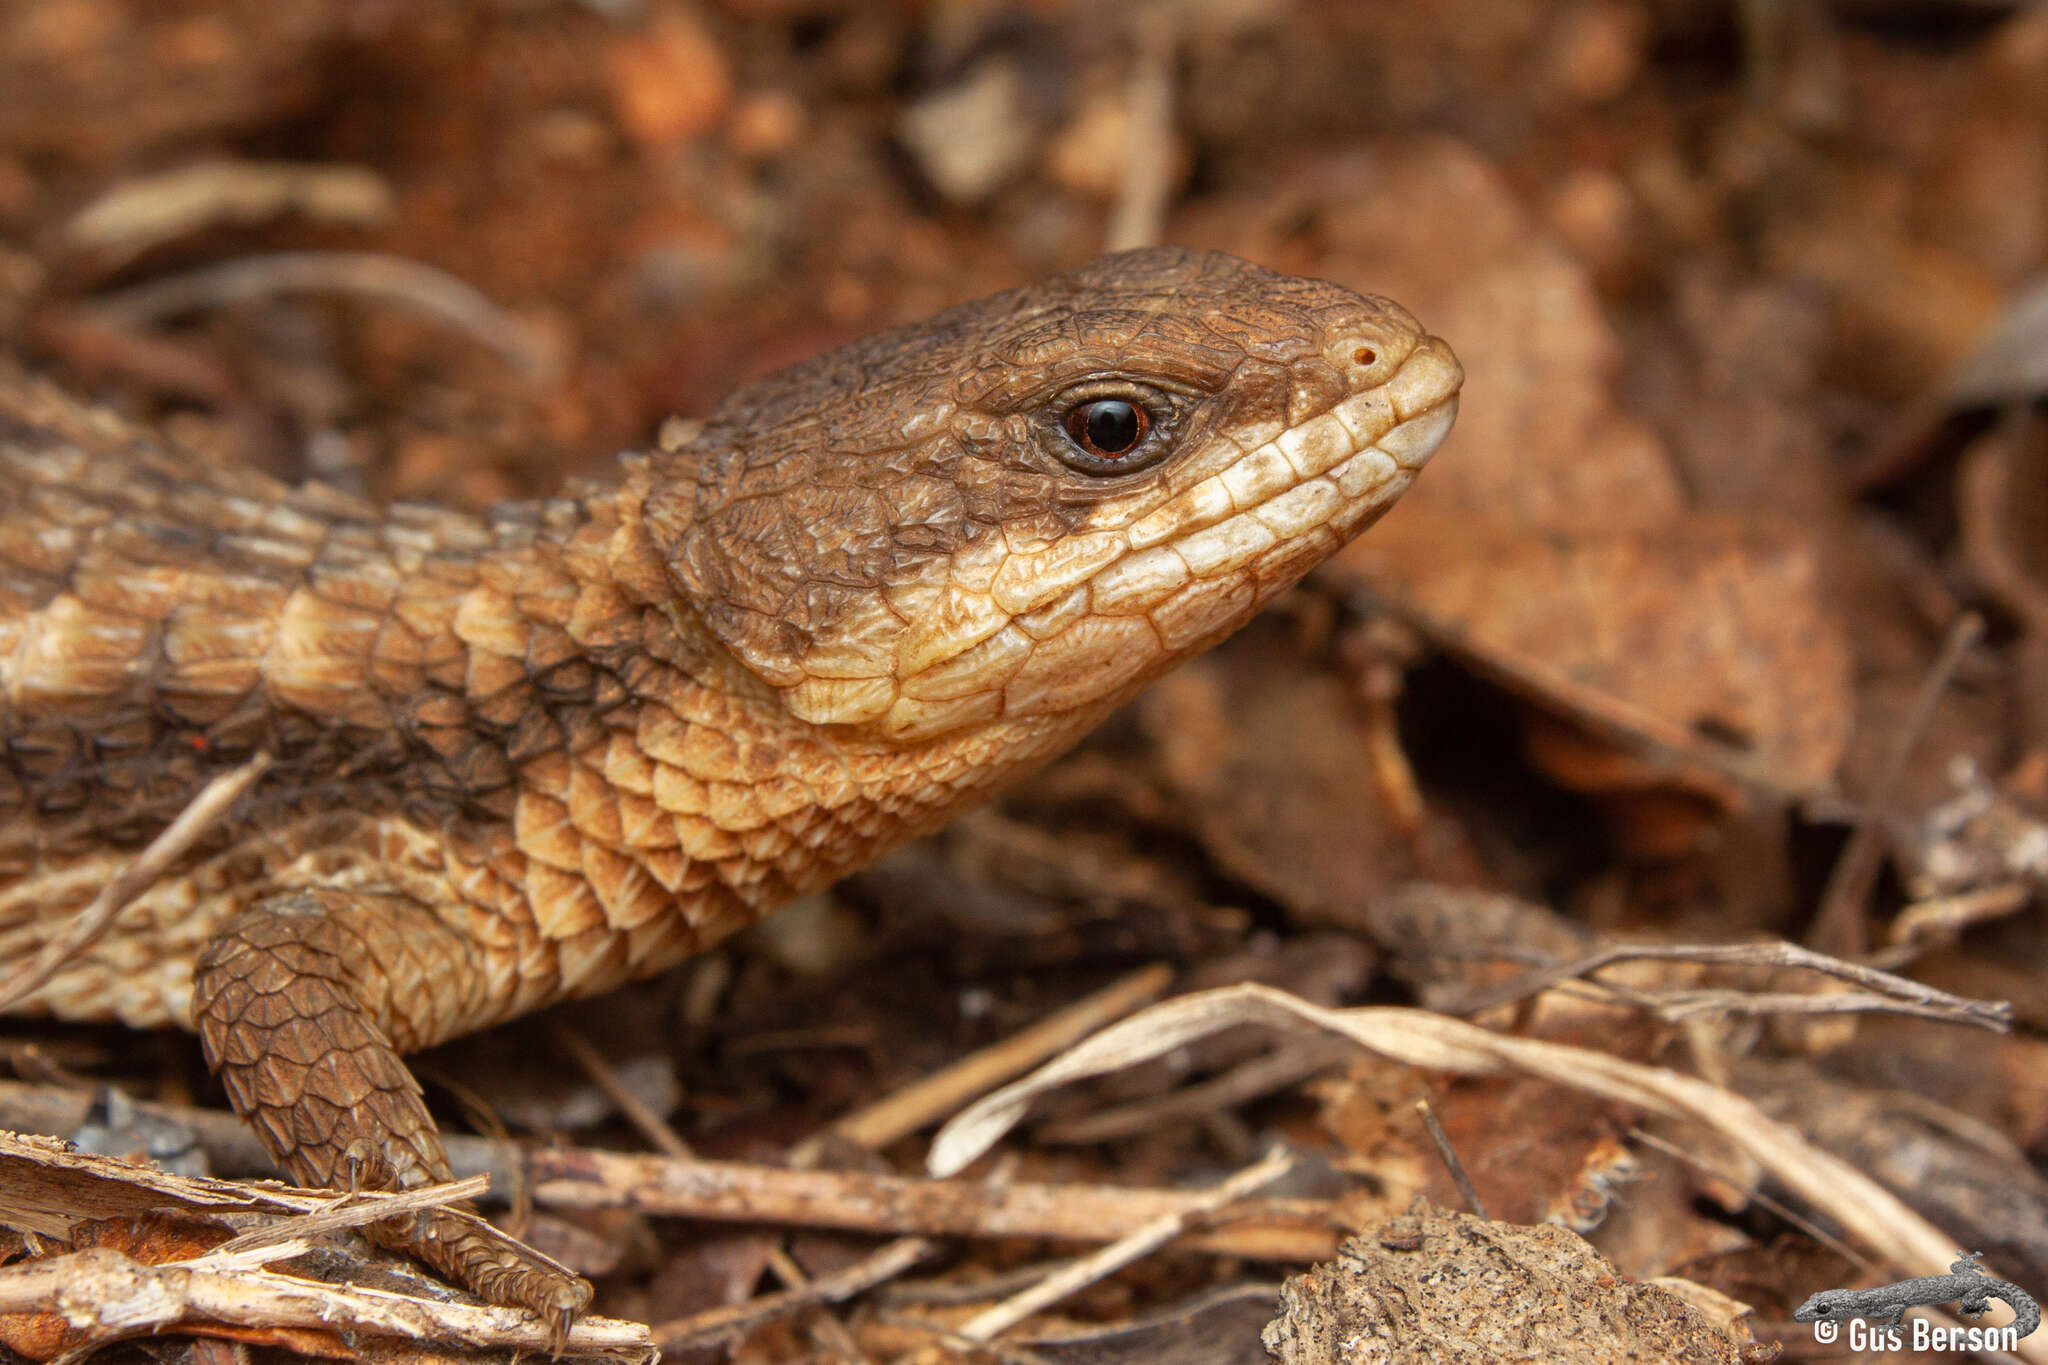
(147, 211)
(1941, 917)
(1138, 217)
(650, 1125)
(714, 1325)
(1141, 1242)
(1289, 1064)
(201, 813)
(943, 1092)
(408, 284)
(354, 1210)
(1839, 924)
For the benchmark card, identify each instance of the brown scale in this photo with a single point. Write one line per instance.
(531, 756)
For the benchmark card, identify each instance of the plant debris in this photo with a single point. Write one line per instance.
(1660, 793)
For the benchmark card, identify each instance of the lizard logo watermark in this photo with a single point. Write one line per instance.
(1966, 1284)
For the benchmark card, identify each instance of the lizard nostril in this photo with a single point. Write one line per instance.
(1364, 355)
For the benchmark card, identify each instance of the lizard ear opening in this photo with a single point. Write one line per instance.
(776, 579)
(734, 601)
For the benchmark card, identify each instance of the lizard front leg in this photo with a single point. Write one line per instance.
(302, 1004)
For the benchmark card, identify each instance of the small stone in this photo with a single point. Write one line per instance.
(766, 123)
(1595, 52)
(1091, 155)
(1593, 211)
(971, 137)
(671, 83)
(573, 137)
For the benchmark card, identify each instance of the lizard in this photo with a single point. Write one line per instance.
(1966, 1283)
(530, 755)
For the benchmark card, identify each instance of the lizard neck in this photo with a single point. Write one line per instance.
(626, 786)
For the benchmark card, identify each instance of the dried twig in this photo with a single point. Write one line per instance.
(47, 1189)
(735, 1192)
(1449, 1156)
(864, 1201)
(1140, 1242)
(1889, 993)
(107, 1297)
(1678, 1005)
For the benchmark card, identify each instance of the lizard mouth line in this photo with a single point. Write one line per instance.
(1400, 423)
(1333, 470)
(1129, 597)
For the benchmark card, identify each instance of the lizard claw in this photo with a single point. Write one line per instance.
(557, 1300)
(505, 1270)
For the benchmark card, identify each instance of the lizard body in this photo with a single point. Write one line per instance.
(532, 755)
(1966, 1285)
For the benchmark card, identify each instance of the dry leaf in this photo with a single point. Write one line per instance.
(1714, 626)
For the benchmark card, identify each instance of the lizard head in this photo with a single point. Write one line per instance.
(1029, 506)
(1830, 1305)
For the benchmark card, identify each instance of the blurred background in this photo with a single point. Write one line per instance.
(1722, 614)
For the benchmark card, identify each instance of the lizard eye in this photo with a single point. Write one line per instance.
(1107, 434)
(1108, 428)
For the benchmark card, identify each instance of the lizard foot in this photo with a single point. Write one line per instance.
(495, 1265)
(279, 999)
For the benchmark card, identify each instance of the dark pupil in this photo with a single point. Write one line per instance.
(1112, 426)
